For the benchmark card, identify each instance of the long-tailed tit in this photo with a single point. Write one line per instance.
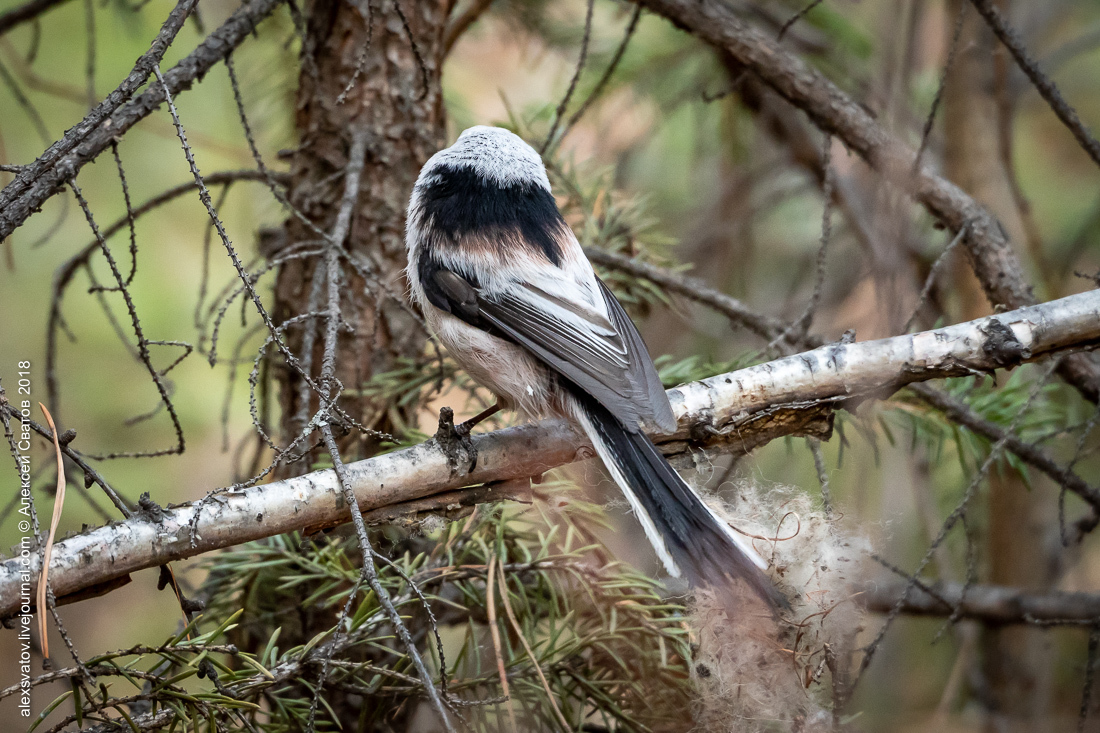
(505, 285)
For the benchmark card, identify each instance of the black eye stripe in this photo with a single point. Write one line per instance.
(459, 202)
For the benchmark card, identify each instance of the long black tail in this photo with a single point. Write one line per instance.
(687, 535)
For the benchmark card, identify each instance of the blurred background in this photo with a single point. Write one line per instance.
(713, 174)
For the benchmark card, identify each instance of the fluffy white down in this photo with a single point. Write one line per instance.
(754, 673)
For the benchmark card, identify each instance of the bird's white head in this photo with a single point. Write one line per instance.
(499, 155)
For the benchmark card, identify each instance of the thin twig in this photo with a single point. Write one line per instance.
(1043, 84)
(608, 72)
(564, 103)
(926, 133)
(795, 18)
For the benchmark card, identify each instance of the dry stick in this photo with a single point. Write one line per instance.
(83, 143)
(370, 572)
(801, 325)
(608, 72)
(822, 476)
(933, 273)
(353, 173)
(795, 18)
(142, 343)
(362, 62)
(1084, 526)
(416, 591)
(423, 67)
(129, 212)
(268, 175)
(494, 635)
(565, 726)
(47, 549)
(1043, 84)
(766, 327)
(724, 406)
(926, 133)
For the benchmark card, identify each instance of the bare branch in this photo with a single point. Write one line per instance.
(727, 404)
(39, 181)
(1043, 84)
(75, 135)
(693, 289)
(995, 261)
(988, 603)
(26, 12)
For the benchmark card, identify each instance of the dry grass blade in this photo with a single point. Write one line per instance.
(527, 648)
(58, 502)
(494, 632)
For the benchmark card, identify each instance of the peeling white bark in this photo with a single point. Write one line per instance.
(835, 371)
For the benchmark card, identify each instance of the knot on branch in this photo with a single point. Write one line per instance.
(1002, 346)
(150, 508)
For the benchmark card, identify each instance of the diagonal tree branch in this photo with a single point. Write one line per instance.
(1043, 84)
(76, 134)
(692, 288)
(28, 11)
(834, 112)
(114, 116)
(728, 406)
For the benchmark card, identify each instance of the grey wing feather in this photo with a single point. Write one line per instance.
(644, 373)
(607, 359)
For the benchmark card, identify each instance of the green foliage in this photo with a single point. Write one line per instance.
(675, 371)
(611, 650)
(1051, 413)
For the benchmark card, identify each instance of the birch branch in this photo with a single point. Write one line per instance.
(732, 408)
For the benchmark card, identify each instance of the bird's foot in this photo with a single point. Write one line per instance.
(464, 428)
